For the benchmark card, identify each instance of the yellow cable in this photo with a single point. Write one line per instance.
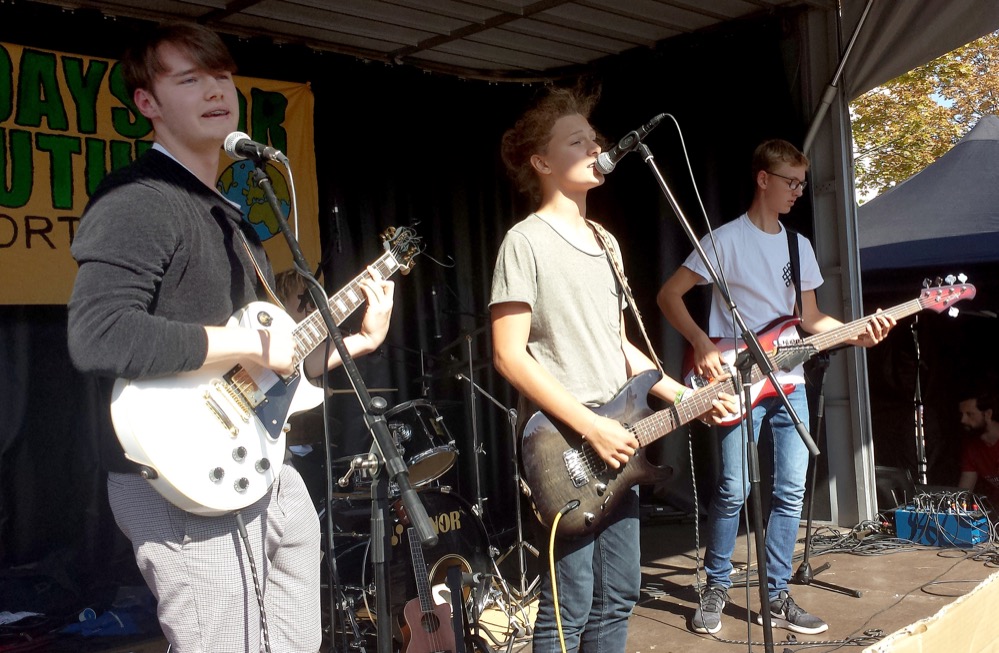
(551, 570)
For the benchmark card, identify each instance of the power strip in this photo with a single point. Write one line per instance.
(951, 528)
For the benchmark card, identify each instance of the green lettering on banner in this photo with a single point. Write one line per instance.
(84, 87)
(61, 149)
(241, 126)
(94, 167)
(17, 165)
(38, 93)
(6, 85)
(127, 120)
(269, 111)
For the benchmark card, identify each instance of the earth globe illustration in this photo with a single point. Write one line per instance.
(236, 183)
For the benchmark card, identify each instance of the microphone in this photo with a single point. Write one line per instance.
(239, 146)
(473, 578)
(607, 161)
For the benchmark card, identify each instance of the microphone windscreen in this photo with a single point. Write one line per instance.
(231, 141)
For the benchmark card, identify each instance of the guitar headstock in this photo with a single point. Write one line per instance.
(404, 244)
(938, 297)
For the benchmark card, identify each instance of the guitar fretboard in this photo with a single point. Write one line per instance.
(420, 572)
(312, 331)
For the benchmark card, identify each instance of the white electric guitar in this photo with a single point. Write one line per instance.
(212, 441)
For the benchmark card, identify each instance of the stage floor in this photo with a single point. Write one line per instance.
(897, 589)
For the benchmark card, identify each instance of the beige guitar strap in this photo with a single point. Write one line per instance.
(260, 273)
(612, 254)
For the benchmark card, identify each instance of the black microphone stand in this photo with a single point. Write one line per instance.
(917, 404)
(805, 575)
(752, 356)
(374, 416)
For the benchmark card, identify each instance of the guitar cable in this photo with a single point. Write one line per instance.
(256, 580)
(567, 508)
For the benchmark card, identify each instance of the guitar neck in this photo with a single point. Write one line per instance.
(698, 402)
(851, 330)
(420, 572)
(312, 331)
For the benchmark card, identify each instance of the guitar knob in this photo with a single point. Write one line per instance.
(216, 474)
(262, 465)
(239, 454)
(588, 517)
(241, 484)
(601, 488)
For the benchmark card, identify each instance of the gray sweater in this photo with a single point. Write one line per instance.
(159, 258)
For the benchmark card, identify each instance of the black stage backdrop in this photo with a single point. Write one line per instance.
(397, 146)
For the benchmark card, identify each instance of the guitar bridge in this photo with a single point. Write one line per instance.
(576, 466)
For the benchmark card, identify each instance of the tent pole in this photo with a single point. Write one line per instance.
(830, 92)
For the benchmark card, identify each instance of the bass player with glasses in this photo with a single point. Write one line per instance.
(755, 255)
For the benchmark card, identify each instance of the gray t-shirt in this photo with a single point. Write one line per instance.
(576, 303)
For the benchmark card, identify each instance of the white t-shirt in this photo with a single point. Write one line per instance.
(757, 267)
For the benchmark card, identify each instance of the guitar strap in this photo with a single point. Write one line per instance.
(792, 250)
(260, 272)
(608, 244)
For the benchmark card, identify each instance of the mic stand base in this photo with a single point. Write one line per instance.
(805, 576)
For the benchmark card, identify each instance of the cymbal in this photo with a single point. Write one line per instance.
(463, 336)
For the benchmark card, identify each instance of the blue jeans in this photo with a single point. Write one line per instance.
(599, 580)
(790, 465)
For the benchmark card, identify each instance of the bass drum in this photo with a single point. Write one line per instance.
(461, 540)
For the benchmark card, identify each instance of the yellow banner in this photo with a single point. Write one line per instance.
(67, 120)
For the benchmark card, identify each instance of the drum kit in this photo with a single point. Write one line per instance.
(461, 571)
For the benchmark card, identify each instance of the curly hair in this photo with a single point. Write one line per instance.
(531, 133)
(769, 153)
(141, 62)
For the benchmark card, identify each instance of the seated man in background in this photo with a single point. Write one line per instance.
(980, 451)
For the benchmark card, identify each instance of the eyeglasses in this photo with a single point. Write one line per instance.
(792, 183)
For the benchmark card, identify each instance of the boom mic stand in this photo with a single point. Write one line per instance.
(753, 354)
(804, 575)
(374, 416)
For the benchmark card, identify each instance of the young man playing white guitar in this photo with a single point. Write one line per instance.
(162, 267)
(757, 263)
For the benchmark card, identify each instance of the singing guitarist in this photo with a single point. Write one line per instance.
(756, 253)
(162, 265)
(558, 336)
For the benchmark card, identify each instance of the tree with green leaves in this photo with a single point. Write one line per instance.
(904, 125)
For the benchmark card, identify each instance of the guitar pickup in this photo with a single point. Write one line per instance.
(234, 398)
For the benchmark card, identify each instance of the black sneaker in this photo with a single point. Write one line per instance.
(707, 617)
(785, 613)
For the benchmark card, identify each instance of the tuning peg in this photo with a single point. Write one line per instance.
(953, 311)
(962, 277)
(950, 279)
(938, 281)
(926, 283)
